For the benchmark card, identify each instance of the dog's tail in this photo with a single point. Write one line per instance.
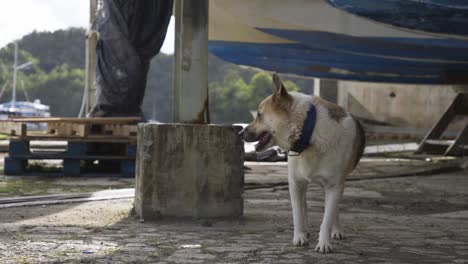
(359, 143)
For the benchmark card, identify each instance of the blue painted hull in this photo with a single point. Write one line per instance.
(306, 61)
(366, 51)
(445, 17)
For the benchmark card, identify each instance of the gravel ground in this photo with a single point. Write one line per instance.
(418, 219)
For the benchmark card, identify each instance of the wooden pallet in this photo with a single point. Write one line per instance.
(106, 140)
(99, 129)
(12, 128)
(75, 157)
(432, 142)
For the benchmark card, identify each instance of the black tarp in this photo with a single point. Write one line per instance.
(131, 32)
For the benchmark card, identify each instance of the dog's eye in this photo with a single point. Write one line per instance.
(259, 115)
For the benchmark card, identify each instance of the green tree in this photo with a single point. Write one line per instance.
(228, 100)
(61, 89)
(260, 86)
(6, 71)
(57, 48)
(157, 103)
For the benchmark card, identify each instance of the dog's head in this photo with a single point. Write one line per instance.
(272, 117)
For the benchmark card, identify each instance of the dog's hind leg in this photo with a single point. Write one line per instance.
(337, 231)
(304, 211)
(297, 191)
(332, 198)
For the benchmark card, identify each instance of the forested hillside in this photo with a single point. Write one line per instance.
(57, 79)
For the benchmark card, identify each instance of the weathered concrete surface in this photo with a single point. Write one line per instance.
(398, 104)
(187, 170)
(393, 220)
(327, 89)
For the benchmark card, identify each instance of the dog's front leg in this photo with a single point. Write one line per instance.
(332, 198)
(297, 192)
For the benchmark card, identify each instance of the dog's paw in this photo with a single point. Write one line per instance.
(300, 239)
(323, 247)
(338, 235)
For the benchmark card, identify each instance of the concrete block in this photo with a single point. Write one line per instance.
(189, 171)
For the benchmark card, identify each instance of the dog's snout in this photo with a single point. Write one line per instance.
(244, 132)
(241, 133)
(247, 135)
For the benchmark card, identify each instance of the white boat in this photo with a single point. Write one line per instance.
(22, 109)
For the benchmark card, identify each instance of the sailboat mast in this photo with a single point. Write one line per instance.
(13, 96)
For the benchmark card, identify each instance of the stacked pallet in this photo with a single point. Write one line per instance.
(107, 145)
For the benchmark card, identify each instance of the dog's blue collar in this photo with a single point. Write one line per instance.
(307, 130)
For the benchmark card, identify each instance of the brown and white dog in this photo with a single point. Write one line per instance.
(333, 151)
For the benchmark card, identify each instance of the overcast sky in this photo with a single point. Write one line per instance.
(21, 17)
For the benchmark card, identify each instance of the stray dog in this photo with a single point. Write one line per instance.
(325, 143)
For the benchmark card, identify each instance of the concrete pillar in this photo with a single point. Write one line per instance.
(189, 171)
(190, 84)
(326, 89)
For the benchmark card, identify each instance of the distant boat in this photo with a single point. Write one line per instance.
(18, 109)
(25, 109)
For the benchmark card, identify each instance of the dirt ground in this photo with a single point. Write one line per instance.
(389, 216)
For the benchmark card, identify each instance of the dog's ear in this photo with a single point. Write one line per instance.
(278, 88)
